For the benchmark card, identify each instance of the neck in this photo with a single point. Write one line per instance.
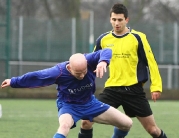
(126, 30)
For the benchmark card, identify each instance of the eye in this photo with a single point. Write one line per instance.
(120, 20)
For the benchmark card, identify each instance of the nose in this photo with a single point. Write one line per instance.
(117, 22)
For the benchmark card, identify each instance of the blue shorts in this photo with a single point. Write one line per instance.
(85, 111)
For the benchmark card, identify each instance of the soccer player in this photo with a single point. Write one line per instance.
(128, 71)
(75, 81)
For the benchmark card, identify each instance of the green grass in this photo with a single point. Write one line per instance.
(38, 119)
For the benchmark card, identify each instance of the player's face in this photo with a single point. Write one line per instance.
(79, 74)
(118, 23)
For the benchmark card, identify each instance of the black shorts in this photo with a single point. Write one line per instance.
(132, 98)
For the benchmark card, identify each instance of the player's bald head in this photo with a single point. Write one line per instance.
(78, 62)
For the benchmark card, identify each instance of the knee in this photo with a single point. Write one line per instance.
(64, 127)
(86, 124)
(130, 123)
(127, 126)
(154, 131)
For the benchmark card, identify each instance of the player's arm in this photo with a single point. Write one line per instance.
(34, 79)
(156, 81)
(99, 60)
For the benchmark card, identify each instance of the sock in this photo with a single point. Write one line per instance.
(57, 135)
(162, 135)
(84, 133)
(119, 133)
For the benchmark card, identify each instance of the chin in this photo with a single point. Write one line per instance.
(79, 78)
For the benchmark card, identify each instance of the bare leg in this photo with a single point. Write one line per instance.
(116, 118)
(86, 124)
(86, 130)
(112, 117)
(150, 126)
(65, 123)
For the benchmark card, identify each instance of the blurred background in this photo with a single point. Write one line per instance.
(37, 34)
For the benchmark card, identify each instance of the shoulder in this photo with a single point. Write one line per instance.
(103, 35)
(61, 69)
(62, 65)
(141, 34)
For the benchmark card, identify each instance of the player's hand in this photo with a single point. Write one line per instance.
(155, 95)
(6, 83)
(100, 69)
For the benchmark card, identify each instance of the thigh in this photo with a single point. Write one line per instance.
(66, 119)
(114, 117)
(110, 96)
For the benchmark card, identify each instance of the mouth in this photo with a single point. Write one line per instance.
(117, 28)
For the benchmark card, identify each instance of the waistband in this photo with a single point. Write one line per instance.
(124, 87)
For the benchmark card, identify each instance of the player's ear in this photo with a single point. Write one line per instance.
(127, 19)
(68, 67)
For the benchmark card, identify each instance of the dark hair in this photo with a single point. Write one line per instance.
(119, 9)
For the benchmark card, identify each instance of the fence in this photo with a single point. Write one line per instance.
(36, 44)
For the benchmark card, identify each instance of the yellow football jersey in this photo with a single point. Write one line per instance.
(132, 59)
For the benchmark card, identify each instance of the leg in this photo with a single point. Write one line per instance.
(137, 105)
(151, 127)
(86, 130)
(108, 96)
(119, 133)
(65, 123)
(116, 118)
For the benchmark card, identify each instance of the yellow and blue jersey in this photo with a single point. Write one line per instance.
(132, 58)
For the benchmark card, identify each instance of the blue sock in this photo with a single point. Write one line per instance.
(119, 133)
(57, 135)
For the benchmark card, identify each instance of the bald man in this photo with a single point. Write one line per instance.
(75, 81)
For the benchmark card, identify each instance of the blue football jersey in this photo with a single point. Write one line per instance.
(69, 88)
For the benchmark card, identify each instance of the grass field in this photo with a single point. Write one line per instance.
(38, 119)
